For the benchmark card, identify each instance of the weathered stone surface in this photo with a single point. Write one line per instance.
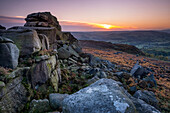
(42, 19)
(9, 53)
(103, 96)
(39, 106)
(18, 72)
(63, 53)
(44, 41)
(142, 107)
(27, 41)
(92, 80)
(51, 32)
(56, 100)
(138, 71)
(43, 71)
(13, 96)
(38, 74)
(67, 36)
(147, 96)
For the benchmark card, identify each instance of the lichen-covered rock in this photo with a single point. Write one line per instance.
(39, 106)
(27, 41)
(14, 95)
(147, 96)
(9, 53)
(103, 96)
(43, 71)
(42, 19)
(56, 100)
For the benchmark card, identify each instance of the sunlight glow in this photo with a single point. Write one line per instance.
(106, 26)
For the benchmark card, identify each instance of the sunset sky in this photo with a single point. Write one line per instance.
(92, 15)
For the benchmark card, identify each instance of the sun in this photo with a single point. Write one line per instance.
(106, 26)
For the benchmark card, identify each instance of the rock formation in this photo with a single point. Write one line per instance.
(46, 62)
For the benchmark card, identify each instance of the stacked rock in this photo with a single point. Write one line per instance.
(42, 19)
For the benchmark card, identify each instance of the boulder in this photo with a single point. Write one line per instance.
(67, 36)
(50, 32)
(42, 19)
(2, 27)
(147, 96)
(103, 96)
(39, 106)
(56, 100)
(9, 53)
(150, 81)
(27, 41)
(63, 53)
(43, 71)
(143, 107)
(138, 71)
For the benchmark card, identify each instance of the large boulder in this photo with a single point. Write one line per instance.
(105, 95)
(9, 53)
(26, 40)
(51, 32)
(14, 95)
(147, 96)
(42, 19)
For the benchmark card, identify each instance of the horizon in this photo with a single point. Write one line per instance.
(92, 15)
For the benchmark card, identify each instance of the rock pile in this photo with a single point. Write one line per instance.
(47, 61)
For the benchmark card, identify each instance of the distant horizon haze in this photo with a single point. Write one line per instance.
(92, 15)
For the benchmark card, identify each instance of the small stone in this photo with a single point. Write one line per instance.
(56, 100)
(2, 84)
(39, 106)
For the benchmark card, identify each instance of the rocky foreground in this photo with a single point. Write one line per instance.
(44, 70)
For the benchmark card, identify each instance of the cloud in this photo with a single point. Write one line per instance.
(66, 25)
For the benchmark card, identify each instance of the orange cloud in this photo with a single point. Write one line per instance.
(93, 26)
(67, 25)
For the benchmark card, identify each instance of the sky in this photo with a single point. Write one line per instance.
(92, 15)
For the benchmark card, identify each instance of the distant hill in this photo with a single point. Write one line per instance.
(107, 45)
(137, 38)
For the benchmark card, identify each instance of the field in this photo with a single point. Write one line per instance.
(156, 43)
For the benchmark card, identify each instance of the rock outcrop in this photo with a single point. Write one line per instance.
(9, 53)
(52, 62)
(42, 19)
